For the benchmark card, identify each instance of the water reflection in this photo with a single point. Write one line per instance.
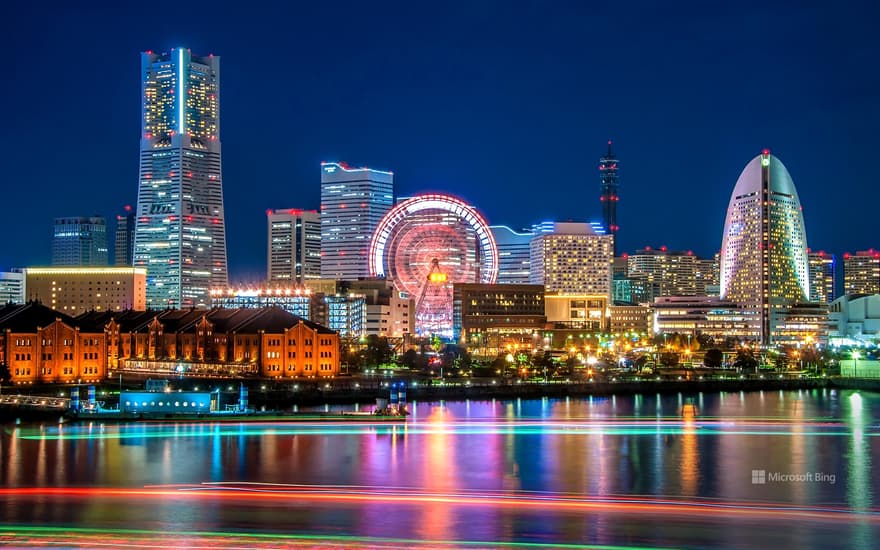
(489, 472)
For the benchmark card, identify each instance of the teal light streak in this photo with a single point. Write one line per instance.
(243, 430)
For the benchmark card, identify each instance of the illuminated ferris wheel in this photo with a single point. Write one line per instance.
(427, 243)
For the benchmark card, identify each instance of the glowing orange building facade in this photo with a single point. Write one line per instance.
(41, 345)
(267, 342)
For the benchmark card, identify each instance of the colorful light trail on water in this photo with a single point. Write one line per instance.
(19, 536)
(650, 427)
(298, 494)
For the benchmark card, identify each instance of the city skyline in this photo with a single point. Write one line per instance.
(468, 127)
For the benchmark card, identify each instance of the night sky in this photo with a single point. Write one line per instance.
(508, 105)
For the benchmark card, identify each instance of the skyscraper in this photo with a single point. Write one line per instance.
(123, 248)
(353, 202)
(180, 234)
(80, 241)
(609, 197)
(861, 272)
(764, 248)
(572, 258)
(294, 245)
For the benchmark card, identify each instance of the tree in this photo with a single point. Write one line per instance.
(705, 340)
(713, 358)
(669, 359)
(781, 361)
(413, 360)
(745, 360)
(377, 351)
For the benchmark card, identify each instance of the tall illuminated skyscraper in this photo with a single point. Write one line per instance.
(180, 234)
(353, 202)
(609, 197)
(764, 265)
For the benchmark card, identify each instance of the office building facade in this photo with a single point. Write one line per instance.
(513, 254)
(79, 241)
(822, 277)
(293, 245)
(489, 316)
(571, 258)
(353, 202)
(74, 290)
(673, 273)
(764, 264)
(180, 235)
(861, 272)
(12, 287)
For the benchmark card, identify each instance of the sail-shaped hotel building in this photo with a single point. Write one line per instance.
(764, 255)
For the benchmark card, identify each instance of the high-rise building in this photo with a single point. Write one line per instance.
(708, 272)
(609, 197)
(80, 241)
(123, 251)
(353, 202)
(764, 265)
(673, 273)
(513, 254)
(294, 245)
(180, 235)
(822, 277)
(572, 258)
(861, 272)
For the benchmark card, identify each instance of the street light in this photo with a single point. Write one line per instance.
(855, 356)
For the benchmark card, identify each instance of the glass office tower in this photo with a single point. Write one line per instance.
(180, 232)
(353, 202)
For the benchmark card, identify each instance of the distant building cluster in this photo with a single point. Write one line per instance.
(364, 262)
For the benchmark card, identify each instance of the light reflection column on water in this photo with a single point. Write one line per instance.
(858, 478)
(659, 449)
(689, 456)
(439, 475)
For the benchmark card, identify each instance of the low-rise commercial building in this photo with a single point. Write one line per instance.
(75, 290)
(854, 320)
(709, 315)
(488, 317)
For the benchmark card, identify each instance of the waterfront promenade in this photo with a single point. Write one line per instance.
(277, 396)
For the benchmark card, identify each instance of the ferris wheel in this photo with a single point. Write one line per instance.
(426, 244)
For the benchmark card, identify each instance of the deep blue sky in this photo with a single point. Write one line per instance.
(506, 104)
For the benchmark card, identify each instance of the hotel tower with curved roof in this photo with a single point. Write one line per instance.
(764, 256)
